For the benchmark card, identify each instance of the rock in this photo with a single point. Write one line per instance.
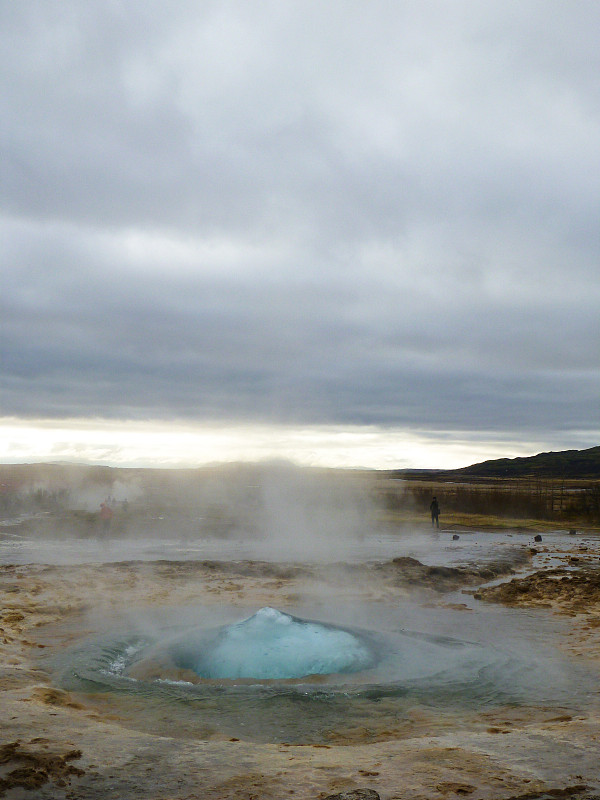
(407, 571)
(455, 537)
(355, 794)
(54, 697)
(455, 788)
(35, 767)
(567, 591)
(537, 538)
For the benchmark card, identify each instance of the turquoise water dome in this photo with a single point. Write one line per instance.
(274, 645)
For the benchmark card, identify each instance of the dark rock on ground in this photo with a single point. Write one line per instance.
(355, 794)
(407, 571)
(570, 591)
(32, 767)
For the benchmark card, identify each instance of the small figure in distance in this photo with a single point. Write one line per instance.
(435, 513)
(106, 515)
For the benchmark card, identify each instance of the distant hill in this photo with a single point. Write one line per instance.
(563, 464)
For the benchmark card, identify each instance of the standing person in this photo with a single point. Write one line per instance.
(435, 513)
(106, 515)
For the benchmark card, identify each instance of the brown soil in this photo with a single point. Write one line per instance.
(30, 766)
(408, 571)
(565, 590)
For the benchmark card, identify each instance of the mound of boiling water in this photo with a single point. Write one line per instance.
(273, 645)
(275, 677)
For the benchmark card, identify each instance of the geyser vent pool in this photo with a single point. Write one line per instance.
(149, 679)
(271, 645)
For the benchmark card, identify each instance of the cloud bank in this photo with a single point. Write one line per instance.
(303, 214)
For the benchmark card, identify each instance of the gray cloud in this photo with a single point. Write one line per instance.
(303, 213)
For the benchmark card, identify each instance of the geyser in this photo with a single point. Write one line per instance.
(271, 645)
(275, 677)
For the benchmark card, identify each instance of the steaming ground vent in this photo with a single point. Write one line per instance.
(271, 645)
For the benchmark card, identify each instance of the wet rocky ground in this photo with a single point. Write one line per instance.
(57, 744)
(564, 589)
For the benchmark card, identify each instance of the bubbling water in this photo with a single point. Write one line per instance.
(276, 677)
(273, 645)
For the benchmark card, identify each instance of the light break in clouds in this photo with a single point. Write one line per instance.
(274, 216)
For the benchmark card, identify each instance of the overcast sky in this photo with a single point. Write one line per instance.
(298, 213)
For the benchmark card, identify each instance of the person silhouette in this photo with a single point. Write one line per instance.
(106, 515)
(435, 513)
